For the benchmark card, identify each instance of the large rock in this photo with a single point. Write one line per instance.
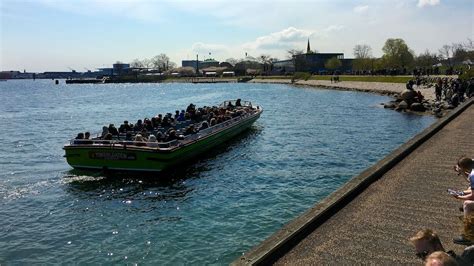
(409, 96)
(403, 105)
(418, 107)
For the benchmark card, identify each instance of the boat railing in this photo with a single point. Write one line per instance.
(118, 142)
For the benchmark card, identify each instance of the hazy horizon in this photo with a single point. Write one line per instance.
(59, 35)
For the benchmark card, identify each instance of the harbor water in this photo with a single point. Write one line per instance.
(307, 143)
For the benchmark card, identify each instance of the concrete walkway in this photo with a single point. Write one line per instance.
(374, 227)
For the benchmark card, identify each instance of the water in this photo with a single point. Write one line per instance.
(307, 143)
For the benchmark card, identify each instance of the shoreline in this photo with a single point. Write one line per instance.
(383, 88)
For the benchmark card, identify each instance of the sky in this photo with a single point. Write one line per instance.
(60, 35)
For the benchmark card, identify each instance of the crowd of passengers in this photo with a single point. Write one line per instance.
(169, 127)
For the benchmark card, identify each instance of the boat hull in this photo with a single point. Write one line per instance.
(133, 158)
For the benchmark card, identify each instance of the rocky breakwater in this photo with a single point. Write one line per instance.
(413, 101)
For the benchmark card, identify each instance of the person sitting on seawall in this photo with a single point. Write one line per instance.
(440, 258)
(427, 242)
(465, 167)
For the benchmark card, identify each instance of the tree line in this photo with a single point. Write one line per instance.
(159, 62)
(396, 55)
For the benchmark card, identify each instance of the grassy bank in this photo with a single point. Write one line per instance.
(389, 79)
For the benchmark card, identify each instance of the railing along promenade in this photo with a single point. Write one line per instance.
(370, 219)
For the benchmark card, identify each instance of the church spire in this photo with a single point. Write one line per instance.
(308, 48)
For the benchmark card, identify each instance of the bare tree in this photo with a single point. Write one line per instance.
(232, 61)
(445, 52)
(136, 63)
(426, 59)
(469, 45)
(160, 62)
(147, 63)
(362, 51)
(294, 52)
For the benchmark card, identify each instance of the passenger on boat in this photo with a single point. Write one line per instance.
(128, 136)
(190, 130)
(166, 122)
(159, 136)
(139, 141)
(125, 127)
(159, 119)
(152, 141)
(171, 135)
(237, 103)
(80, 136)
(105, 131)
(113, 130)
(191, 107)
(108, 136)
(144, 133)
(213, 122)
(204, 125)
(138, 126)
(87, 137)
(148, 124)
(181, 116)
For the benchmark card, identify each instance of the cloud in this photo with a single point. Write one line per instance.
(282, 39)
(205, 48)
(361, 9)
(334, 28)
(142, 10)
(422, 3)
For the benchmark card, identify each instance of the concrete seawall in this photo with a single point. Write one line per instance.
(370, 219)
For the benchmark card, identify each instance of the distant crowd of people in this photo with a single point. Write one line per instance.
(169, 127)
(452, 90)
(427, 243)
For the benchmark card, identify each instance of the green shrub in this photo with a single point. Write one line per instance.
(468, 74)
(301, 75)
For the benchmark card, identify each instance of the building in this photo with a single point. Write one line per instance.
(209, 63)
(315, 62)
(283, 67)
(120, 68)
(191, 63)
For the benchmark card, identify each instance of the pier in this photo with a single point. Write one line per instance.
(370, 219)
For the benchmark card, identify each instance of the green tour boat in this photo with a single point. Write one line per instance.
(148, 155)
